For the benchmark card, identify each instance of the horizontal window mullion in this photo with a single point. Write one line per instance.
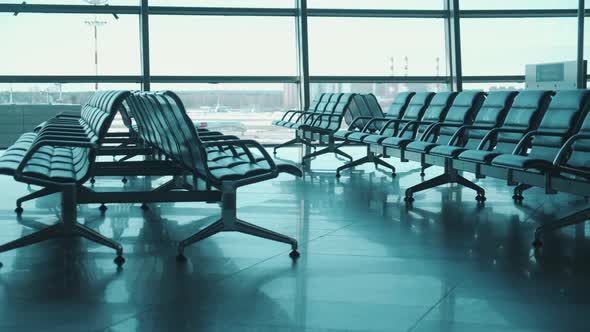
(379, 79)
(138, 79)
(368, 13)
(494, 79)
(518, 13)
(221, 11)
(70, 79)
(68, 9)
(223, 79)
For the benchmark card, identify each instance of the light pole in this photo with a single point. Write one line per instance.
(59, 86)
(95, 23)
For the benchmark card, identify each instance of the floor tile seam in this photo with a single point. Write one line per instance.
(122, 320)
(231, 275)
(150, 307)
(529, 218)
(434, 306)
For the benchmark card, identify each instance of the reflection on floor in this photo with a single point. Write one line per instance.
(368, 262)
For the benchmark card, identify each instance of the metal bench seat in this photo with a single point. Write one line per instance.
(411, 131)
(63, 164)
(368, 116)
(291, 117)
(164, 124)
(370, 119)
(321, 130)
(462, 113)
(537, 149)
(413, 112)
(465, 137)
(524, 115)
(58, 164)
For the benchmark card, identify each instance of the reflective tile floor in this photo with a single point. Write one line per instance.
(368, 262)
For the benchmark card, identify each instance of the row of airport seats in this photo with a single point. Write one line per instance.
(528, 138)
(316, 125)
(61, 157)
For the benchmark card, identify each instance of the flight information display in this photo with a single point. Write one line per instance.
(550, 72)
(553, 76)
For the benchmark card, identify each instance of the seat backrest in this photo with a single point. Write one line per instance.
(462, 112)
(525, 114)
(326, 106)
(97, 115)
(145, 128)
(435, 112)
(332, 103)
(373, 104)
(164, 113)
(398, 106)
(490, 115)
(126, 116)
(413, 112)
(98, 112)
(358, 108)
(562, 118)
(341, 110)
(313, 105)
(375, 111)
(580, 152)
(323, 102)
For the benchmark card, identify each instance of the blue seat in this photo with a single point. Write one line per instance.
(523, 116)
(491, 115)
(538, 148)
(435, 112)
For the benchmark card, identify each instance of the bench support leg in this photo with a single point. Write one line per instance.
(33, 195)
(230, 223)
(294, 141)
(573, 219)
(369, 158)
(518, 190)
(331, 148)
(450, 176)
(68, 227)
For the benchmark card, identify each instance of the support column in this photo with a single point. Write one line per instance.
(69, 209)
(453, 44)
(145, 46)
(581, 64)
(302, 54)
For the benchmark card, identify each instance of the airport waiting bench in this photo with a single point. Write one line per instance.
(316, 126)
(165, 125)
(529, 138)
(63, 161)
(127, 144)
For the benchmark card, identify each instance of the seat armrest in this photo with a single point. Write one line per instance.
(390, 123)
(562, 153)
(524, 141)
(338, 117)
(49, 141)
(244, 143)
(57, 136)
(433, 127)
(214, 138)
(494, 132)
(462, 129)
(357, 119)
(273, 171)
(292, 112)
(413, 124)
